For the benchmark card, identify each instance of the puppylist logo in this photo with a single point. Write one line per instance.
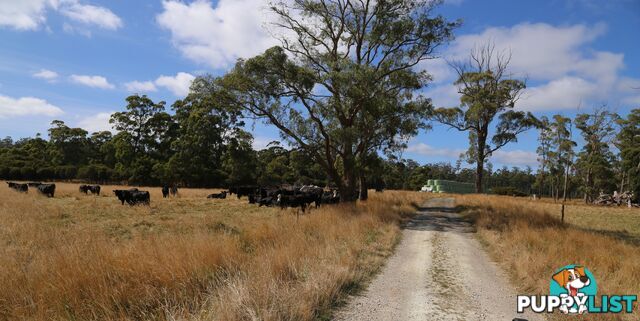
(573, 290)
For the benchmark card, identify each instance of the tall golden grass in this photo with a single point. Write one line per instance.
(79, 257)
(529, 241)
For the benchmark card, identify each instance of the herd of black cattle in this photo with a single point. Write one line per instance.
(45, 189)
(296, 197)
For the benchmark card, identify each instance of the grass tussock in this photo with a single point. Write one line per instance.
(78, 257)
(530, 242)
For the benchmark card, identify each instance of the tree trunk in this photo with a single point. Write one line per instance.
(348, 187)
(541, 188)
(482, 142)
(479, 175)
(564, 193)
(587, 190)
(364, 192)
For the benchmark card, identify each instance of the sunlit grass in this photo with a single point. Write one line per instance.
(79, 257)
(529, 241)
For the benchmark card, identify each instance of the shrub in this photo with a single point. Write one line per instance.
(95, 172)
(508, 190)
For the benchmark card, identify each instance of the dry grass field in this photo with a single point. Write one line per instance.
(530, 242)
(79, 257)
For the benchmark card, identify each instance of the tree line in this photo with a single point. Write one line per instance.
(607, 161)
(345, 90)
(200, 146)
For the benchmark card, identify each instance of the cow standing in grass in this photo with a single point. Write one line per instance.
(94, 189)
(165, 191)
(23, 188)
(295, 201)
(133, 196)
(47, 189)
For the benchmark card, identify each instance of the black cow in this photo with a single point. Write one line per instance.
(124, 194)
(294, 201)
(222, 195)
(165, 191)
(94, 189)
(266, 201)
(34, 184)
(47, 189)
(312, 194)
(331, 197)
(133, 196)
(174, 190)
(23, 188)
(241, 191)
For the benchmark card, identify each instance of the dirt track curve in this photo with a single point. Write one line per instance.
(438, 272)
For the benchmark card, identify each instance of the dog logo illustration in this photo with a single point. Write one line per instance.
(573, 290)
(575, 281)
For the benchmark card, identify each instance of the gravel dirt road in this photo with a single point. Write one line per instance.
(438, 272)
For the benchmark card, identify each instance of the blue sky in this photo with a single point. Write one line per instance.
(77, 60)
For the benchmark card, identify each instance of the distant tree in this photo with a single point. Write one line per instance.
(304, 170)
(594, 163)
(273, 166)
(203, 129)
(145, 135)
(101, 149)
(144, 121)
(69, 145)
(545, 140)
(562, 139)
(628, 142)
(240, 160)
(488, 93)
(344, 83)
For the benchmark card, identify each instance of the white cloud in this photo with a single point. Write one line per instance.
(629, 85)
(508, 158)
(31, 14)
(427, 150)
(68, 28)
(178, 84)
(540, 51)
(92, 81)
(563, 93)
(92, 15)
(46, 74)
(217, 35)
(96, 123)
(26, 106)
(515, 158)
(260, 143)
(445, 95)
(557, 60)
(439, 69)
(632, 100)
(23, 14)
(140, 86)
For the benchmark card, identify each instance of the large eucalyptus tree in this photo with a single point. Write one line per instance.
(344, 83)
(488, 93)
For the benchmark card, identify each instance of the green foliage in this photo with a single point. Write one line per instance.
(69, 145)
(595, 162)
(95, 173)
(508, 190)
(487, 95)
(628, 142)
(204, 127)
(240, 161)
(343, 86)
